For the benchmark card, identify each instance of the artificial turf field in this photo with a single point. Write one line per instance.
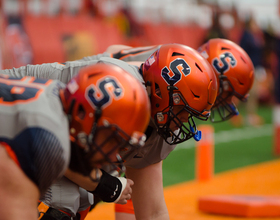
(244, 164)
(235, 147)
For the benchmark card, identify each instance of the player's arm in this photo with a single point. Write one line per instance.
(116, 48)
(109, 188)
(59, 71)
(135, 63)
(148, 198)
(83, 181)
(125, 53)
(140, 54)
(18, 194)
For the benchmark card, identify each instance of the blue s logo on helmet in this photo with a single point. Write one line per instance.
(223, 65)
(104, 97)
(177, 73)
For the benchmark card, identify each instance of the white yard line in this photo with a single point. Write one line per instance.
(236, 134)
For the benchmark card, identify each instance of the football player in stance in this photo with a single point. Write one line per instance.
(182, 86)
(39, 115)
(234, 71)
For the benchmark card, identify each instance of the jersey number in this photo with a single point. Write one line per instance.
(20, 92)
(177, 73)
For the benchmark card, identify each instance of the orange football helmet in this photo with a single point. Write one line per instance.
(100, 97)
(181, 82)
(235, 74)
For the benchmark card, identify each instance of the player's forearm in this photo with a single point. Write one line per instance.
(95, 57)
(43, 71)
(58, 71)
(82, 181)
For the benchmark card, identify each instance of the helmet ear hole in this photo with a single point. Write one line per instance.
(157, 91)
(225, 48)
(242, 59)
(177, 54)
(198, 67)
(81, 112)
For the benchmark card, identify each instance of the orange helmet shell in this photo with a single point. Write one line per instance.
(184, 68)
(122, 99)
(230, 60)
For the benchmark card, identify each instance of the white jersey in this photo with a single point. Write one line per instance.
(34, 125)
(67, 196)
(155, 149)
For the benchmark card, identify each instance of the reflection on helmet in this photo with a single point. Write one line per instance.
(106, 106)
(182, 85)
(235, 73)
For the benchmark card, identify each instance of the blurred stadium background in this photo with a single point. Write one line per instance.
(43, 31)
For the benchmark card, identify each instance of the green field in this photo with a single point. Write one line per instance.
(234, 147)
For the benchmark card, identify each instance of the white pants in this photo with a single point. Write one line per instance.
(68, 196)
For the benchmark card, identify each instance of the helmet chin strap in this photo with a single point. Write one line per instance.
(171, 88)
(121, 167)
(97, 115)
(197, 134)
(87, 141)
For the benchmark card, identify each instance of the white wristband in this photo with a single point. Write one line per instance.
(123, 182)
